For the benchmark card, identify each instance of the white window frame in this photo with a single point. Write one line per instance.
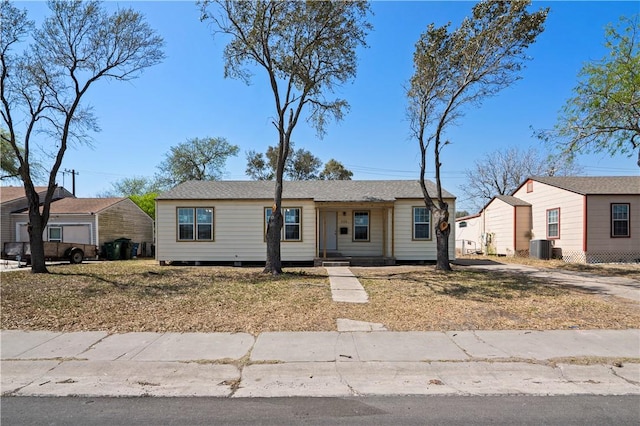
(557, 223)
(54, 240)
(367, 226)
(428, 223)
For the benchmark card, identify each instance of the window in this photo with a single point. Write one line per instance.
(195, 224)
(421, 223)
(292, 223)
(530, 186)
(361, 226)
(553, 223)
(620, 220)
(55, 234)
(463, 224)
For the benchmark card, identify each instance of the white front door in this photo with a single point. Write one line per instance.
(329, 230)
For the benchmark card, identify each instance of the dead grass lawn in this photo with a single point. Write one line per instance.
(142, 296)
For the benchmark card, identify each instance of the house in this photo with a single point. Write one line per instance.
(13, 199)
(467, 229)
(586, 219)
(91, 221)
(225, 221)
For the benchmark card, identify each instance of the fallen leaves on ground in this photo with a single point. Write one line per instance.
(126, 296)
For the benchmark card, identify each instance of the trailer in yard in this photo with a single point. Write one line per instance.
(73, 252)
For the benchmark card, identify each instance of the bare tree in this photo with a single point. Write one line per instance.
(42, 88)
(502, 171)
(457, 69)
(306, 49)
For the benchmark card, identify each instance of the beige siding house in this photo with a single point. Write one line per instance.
(586, 219)
(225, 221)
(13, 199)
(92, 221)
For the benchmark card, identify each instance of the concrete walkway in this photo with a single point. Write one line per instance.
(613, 286)
(345, 287)
(561, 362)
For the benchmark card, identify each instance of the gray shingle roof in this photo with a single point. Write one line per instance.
(317, 190)
(512, 201)
(592, 185)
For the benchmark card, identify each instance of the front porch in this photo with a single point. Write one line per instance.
(354, 234)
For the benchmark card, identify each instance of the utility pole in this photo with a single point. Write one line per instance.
(73, 179)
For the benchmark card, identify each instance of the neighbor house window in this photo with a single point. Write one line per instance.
(361, 226)
(55, 234)
(620, 220)
(195, 224)
(292, 223)
(530, 186)
(553, 223)
(421, 223)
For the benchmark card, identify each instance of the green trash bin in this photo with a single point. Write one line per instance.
(117, 250)
(125, 248)
(109, 250)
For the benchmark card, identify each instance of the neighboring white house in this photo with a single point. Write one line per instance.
(468, 234)
(586, 219)
(225, 221)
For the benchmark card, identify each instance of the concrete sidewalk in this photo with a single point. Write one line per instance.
(274, 364)
(345, 287)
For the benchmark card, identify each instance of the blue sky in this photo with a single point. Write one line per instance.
(187, 96)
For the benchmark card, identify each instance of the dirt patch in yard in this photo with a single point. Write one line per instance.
(143, 296)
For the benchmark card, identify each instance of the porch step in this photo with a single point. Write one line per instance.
(336, 263)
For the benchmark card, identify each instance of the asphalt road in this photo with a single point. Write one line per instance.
(430, 410)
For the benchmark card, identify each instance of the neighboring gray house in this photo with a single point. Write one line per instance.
(92, 221)
(225, 221)
(13, 199)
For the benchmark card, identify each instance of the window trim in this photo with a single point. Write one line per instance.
(353, 228)
(550, 237)
(282, 231)
(414, 223)
(49, 228)
(627, 220)
(194, 225)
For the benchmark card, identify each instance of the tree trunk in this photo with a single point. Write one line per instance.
(36, 228)
(443, 229)
(274, 264)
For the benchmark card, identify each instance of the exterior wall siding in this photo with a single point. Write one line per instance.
(8, 221)
(374, 247)
(124, 220)
(499, 220)
(407, 249)
(238, 233)
(599, 240)
(545, 197)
